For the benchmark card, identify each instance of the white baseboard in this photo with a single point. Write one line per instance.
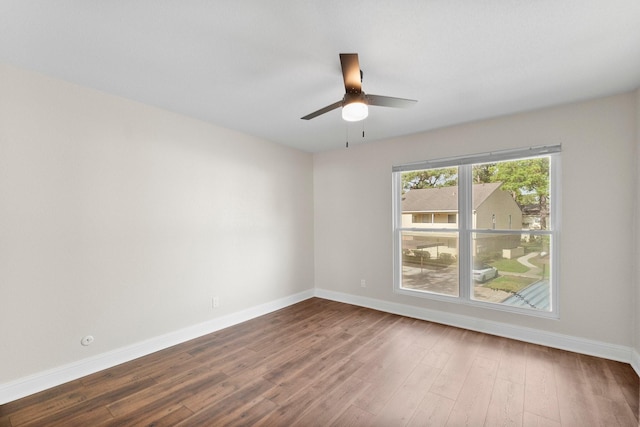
(534, 336)
(635, 361)
(53, 377)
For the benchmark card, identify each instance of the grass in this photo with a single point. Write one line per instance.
(509, 283)
(509, 265)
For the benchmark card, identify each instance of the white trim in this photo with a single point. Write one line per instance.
(635, 361)
(535, 336)
(40, 381)
(465, 221)
(494, 156)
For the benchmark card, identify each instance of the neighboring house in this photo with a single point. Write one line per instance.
(531, 217)
(432, 208)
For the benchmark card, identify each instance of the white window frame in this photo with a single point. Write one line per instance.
(465, 230)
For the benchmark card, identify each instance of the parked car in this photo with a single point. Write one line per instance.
(484, 272)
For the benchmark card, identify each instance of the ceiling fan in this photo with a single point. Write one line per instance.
(355, 102)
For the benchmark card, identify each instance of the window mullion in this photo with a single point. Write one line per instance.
(464, 226)
(397, 226)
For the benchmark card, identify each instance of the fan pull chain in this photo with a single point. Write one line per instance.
(346, 131)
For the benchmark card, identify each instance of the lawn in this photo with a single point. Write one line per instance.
(510, 265)
(509, 283)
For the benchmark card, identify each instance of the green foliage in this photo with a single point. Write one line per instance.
(537, 244)
(484, 173)
(526, 180)
(429, 178)
(510, 265)
(487, 257)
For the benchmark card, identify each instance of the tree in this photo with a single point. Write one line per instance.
(429, 178)
(527, 181)
(484, 173)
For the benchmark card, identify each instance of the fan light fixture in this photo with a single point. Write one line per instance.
(354, 107)
(355, 111)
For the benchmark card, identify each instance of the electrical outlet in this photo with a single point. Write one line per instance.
(215, 302)
(363, 283)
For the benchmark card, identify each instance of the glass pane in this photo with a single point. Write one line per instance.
(430, 262)
(430, 198)
(512, 269)
(511, 195)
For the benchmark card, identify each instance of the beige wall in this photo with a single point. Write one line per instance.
(598, 174)
(123, 221)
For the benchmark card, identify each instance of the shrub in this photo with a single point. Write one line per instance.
(446, 256)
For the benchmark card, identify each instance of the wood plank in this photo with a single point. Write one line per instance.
(440, 353)
(293, 408)
(162, 419)
(507, 404)
(541, 395)
(473, 401)
(154, 398)
(64, 417)
(45, 403)
(453, 375)
(375, 395)
(210, 395)
(629, 383)
(93, 417)
(433, 411)
(513, 362)
(575, 400)
(399, 410)
(353, 417)
(232, 405)
(535, 420)
(248, 414)
(321, 362)
(292, 381)
(327, 408)
(161, 412)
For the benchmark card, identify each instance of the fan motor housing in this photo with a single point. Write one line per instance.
(351, 97)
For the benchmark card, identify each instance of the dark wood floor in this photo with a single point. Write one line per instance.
(322, 363)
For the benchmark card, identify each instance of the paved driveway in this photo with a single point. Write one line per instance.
(444, 280)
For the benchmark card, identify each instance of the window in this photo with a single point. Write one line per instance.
(422, 218)
(493, 237)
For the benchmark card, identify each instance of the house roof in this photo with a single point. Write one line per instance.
(444, 198)
(535, 295)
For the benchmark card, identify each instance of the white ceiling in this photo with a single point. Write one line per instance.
(258, 66)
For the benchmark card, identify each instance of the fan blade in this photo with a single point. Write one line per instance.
(389, 101)
(323, 110)
(351, 72)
